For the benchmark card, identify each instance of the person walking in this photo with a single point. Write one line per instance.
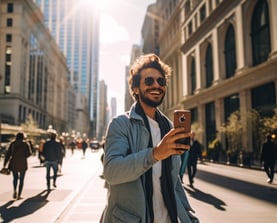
(52, 152)
(268, 157)
(193, 154)
(17, 154)
(84, 147)
(142, 160)
(63, 152)
(184, 162)
(72, 146)
(40, 149)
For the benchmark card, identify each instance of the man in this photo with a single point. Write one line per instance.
(142, 160)
(268, 157)
(194, 154)
(52, 152)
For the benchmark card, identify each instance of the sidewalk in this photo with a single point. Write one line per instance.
(79, 196)
(88, 204)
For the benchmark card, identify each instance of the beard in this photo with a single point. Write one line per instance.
(148, 101)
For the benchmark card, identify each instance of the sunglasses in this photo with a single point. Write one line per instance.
(150, 80)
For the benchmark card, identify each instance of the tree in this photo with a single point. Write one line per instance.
(270, 123)
(257, 128)
(30, 127)
(233, 129)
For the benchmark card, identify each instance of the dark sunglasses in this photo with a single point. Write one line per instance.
(150, 80)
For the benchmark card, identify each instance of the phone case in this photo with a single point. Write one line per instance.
(182, 118)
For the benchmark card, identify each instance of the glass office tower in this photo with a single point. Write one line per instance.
(75, 27)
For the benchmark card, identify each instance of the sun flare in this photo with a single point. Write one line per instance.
(96, 4)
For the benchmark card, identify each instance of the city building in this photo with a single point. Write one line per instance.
(33, 71)
(113, 107)
(135, 53)
(104, 112)
(74, 25)
(224, 59)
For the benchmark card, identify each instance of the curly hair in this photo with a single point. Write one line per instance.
(146, 61)
(19, 136)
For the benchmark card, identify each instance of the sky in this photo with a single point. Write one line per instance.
(120, 28)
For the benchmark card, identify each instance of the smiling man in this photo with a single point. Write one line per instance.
(141, 158)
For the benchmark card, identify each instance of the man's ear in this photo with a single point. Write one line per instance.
(136, 90)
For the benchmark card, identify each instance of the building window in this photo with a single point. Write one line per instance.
(231, 104)
(210, 122)
(230, 52)
(10, 7)
(190, 28)
(193, 76)
(8, 56)
(209, 66)
(9, 38)
(264, 99)
(8, 63)
(194, 115)
(260, 33)
(9, 22)
(202, 13)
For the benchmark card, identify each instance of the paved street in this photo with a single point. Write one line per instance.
(79, 175)
(221, 194)
(225, 194)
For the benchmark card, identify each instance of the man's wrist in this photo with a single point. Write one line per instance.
(154, 153)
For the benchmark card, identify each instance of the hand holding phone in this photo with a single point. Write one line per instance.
(182, 118)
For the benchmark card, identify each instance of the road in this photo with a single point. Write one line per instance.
(222, 194)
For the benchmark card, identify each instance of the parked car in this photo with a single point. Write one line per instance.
(94, 144)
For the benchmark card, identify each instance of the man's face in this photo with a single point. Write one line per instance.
(152, 87)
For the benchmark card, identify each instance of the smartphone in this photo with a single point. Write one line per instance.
(182, 118)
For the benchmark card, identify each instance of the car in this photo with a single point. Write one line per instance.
(94, 144)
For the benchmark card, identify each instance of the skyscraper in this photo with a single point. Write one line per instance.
(74, 25)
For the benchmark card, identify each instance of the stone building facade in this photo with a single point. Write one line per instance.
(33, 72)
(224, 59)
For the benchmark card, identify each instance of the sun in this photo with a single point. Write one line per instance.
(95, 4)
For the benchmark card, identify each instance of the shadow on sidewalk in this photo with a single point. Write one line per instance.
(207, 198)
(27, 207)
(261, 192)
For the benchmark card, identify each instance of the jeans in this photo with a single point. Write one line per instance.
(192, 168)
(269, 169)
(18, 175)
(54, 166)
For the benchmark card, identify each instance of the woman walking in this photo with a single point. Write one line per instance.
(17, 155)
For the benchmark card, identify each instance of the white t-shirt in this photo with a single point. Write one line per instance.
(159, 209)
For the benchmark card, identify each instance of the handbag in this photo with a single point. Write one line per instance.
(5, 171)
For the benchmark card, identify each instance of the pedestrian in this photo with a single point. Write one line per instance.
(72, 146)
(184, 161)
(268, 157)
(17, 154)
(52, 152)
(84, 147)
(40, 156)
(60, 163)
(142, 161)
(194, 153)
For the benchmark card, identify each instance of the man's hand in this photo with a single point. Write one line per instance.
(168, 146)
